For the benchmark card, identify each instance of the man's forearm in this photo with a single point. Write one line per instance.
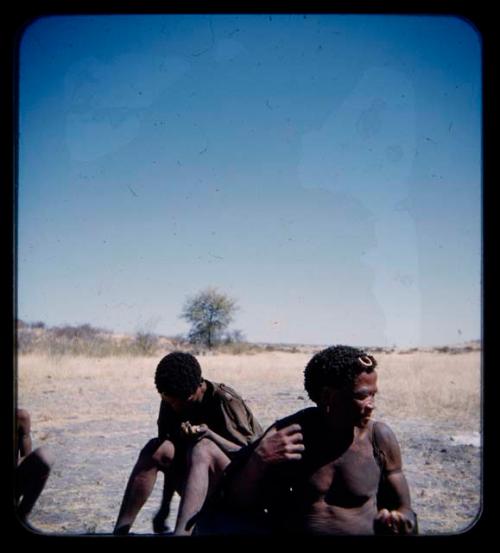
(226, 445)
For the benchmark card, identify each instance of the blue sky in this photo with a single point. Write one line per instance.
(323, 170)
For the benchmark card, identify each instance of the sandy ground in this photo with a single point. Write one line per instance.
(97, 414)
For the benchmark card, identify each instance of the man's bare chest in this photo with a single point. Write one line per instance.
(348, 479)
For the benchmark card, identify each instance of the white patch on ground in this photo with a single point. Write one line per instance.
(467, 438)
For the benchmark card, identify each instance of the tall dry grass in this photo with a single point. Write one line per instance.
(432, 386)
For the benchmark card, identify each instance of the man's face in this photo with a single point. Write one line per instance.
(181, 405)
(353, 404)
(363, 397)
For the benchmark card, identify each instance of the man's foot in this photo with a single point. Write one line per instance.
(122, 530)
(160, 526)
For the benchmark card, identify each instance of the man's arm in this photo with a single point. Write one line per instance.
(166, 422)
(395, 513)
(276, 446)
(199, 431)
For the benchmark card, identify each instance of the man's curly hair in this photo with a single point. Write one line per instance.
(178, 375)
(336, 366)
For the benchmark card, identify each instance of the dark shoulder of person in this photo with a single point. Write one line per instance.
(307, 418)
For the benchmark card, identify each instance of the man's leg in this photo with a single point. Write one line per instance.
(31, 476)
(153, 457)
(205, 464)
(159, 520)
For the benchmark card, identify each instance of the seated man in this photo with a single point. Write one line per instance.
(33, 467)
(329, 469)
(201, 425)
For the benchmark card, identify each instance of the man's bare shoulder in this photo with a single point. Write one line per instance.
(383, 432)
(386, 441)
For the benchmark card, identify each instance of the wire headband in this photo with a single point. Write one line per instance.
(365, 361)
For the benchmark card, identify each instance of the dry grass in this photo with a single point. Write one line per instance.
(432, 386)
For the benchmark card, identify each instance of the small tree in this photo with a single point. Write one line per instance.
(209, 312)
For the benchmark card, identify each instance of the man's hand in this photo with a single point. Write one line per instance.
(277, 446)
(393, 522)
(195, 431)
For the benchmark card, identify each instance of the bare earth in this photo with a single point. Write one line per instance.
(96, 414)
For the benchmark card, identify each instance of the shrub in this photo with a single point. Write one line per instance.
(146, 343)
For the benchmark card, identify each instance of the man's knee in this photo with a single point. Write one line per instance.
(207, 452)
(164, 454)
(34, 468)
(23, 417)
(45, 457)
(149, 449)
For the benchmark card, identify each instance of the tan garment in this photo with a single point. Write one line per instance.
(222, 409)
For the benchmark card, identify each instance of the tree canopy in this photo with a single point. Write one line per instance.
(209, 313)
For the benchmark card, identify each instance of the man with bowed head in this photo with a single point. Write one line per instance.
(329, 469)
(201, 425)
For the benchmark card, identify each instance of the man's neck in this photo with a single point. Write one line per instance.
(338, 425)
(202, 390)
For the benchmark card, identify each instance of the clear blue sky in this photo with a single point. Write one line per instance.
(324, 170)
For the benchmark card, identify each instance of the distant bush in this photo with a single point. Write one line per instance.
(77, 340)
(233, 337)
(444, 349)
(380, 349)
(26, 341)
(146, 343)
(84, 340)
(22, 324)
(408, 351)
(238, 348)
(83, 332)
(180, 342)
